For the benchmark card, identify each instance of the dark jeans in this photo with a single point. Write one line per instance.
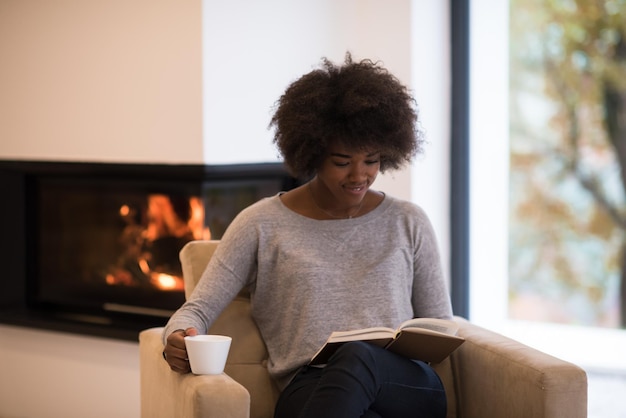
(362, 380)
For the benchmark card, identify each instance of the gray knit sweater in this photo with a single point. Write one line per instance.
(310, 277)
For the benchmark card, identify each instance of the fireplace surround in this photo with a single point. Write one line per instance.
(92, 248)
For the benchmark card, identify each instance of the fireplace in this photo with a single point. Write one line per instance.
(92, 248)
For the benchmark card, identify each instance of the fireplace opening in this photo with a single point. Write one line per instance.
(94, 247)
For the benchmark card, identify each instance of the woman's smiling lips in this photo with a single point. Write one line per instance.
(355, 189)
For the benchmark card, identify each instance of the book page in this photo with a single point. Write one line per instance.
(374, 333)
(434, 324)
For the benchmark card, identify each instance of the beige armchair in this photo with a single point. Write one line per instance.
(488, 376)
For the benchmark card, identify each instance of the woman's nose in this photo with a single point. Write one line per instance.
(358, 172)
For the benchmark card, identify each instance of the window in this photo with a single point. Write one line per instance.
(544, 248)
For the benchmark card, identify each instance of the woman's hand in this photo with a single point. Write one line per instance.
(175, 352)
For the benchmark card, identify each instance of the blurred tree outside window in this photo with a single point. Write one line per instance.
(567, 187)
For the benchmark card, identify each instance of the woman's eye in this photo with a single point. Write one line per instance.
(341, 164)
(371, 162)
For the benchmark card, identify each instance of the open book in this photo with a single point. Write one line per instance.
(427, 339)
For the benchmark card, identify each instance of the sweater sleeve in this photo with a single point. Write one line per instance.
(232, 267)
(430, 296)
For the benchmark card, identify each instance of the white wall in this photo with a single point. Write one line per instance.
(121, 81)
(273, 42)
(97, 80)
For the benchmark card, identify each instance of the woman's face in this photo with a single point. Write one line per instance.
(345, 175)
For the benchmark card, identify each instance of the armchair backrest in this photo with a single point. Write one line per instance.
(247, 359)
(193, 258)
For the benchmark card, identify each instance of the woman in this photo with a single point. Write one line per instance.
(332, 254)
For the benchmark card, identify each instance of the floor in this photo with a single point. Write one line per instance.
(607, 395)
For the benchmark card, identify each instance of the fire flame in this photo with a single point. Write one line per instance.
(167, 282)
(162, 221)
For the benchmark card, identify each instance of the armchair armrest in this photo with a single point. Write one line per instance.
(497, 376)
(165, 393)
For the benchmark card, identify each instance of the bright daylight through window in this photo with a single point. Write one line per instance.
(548, 209)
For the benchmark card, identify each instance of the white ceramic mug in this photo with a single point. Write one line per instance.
(207, 353)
